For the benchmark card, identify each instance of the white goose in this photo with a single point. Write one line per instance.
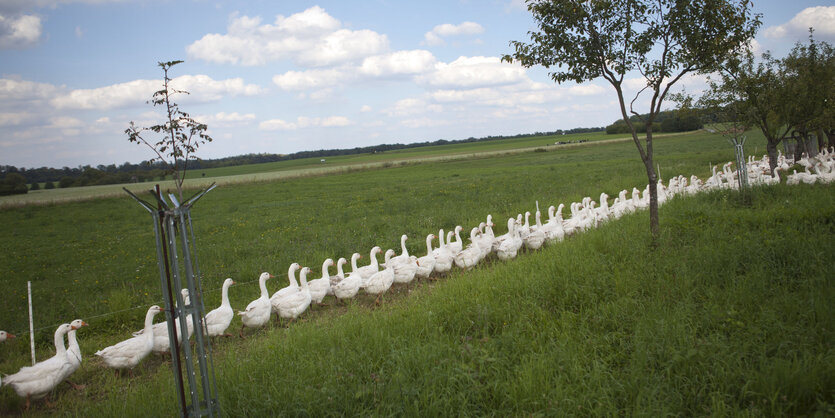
(292, 305)
(485, 241)
(511, 244)
(73, 350)
(367, 271)
(426, 264)
(470, 256)
(162, 343)
(553, 228)
(128, 353)
(405, 266)
(5, 335)
(456, 246)
(443, 256)
(257, 313)
(347, 286)
(36, 381)
(218, 320)
(381, 281)
(319, 288)
(536, 236)
(290, 289)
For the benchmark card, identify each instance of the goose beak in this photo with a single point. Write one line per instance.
(84, 324)
(271, 276)
(72, 327)
(10, 336)
(233, 282)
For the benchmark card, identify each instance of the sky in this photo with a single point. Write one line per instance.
(280, 77)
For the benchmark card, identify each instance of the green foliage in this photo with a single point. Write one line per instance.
(583, 40)
(66, 182)
(181, 134)
(49, 185)
(35, 186)
(13, 183)
(667, 121)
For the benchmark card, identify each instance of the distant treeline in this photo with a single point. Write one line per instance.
(667, 121)
(145, 171)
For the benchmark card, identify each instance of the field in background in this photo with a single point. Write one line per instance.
(597, 320)
(306, 167)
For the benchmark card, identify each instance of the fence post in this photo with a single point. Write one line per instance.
(31, 322)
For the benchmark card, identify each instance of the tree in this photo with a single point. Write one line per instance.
(750, 93)
(809, 77)
(35, 186)
(181, 135)
(49, 185)
(13, 183)
(663, 40)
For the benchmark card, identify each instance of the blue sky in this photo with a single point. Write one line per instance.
(280, 77)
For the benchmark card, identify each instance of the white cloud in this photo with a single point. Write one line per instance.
(365, 108)
(310, 79)
(437, 34)
(412, 106)
(14, 118)
(79, 33)
(224, 120)
(202, 88)
(304, 122)
(18, 32)
(400, 62)
(311, 37)
(822, 18)
(473, 72)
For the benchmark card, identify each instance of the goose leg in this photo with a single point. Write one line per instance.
(241, 332)
(75, 386)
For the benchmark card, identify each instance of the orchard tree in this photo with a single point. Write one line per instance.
(662, 40)
(750, 93)
(181, 135)
(809, 76)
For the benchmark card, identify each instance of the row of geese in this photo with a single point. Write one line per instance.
(376, 278)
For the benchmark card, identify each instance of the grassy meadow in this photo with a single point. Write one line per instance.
(730, 314)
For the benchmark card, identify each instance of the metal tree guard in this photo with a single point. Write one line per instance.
(742, 165)
(170, 222)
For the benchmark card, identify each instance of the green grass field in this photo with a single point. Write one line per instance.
(732, 319)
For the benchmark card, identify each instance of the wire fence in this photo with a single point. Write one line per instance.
(111, 313)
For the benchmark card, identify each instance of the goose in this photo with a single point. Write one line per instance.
(457, 245)
(257, 313)
(218, 320)
(127, 354)
(381, 281)
(602, 213)
(35, 382)
(73, 350)
(525, 228)
(509, 246)
(292, 305)
(536, 236)
(319, 288)
(349, 285)
(290, 289)
(405, 266)
(443, 256)
(437, 251)
(553, 228)
(470, 256)
(426, 264)
(162, 343)
(5, 335)
(366, 271)
(485, 241)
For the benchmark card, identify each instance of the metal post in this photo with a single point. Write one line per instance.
(31, 322)
(170, 221)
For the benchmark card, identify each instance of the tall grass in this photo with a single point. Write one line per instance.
(435, 344)
(729, 315)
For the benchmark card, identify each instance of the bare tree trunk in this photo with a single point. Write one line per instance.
(830, 136)
(771, 149)
(654, 227)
